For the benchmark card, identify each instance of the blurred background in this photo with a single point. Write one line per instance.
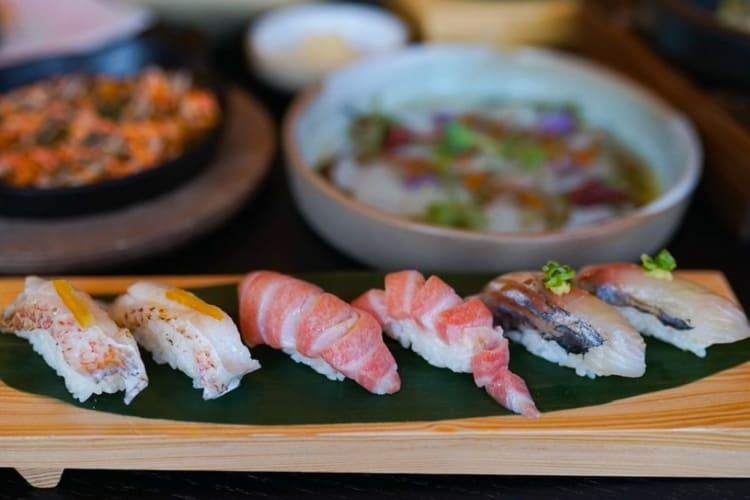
(191, 129)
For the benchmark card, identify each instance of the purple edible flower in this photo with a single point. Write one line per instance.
(441, 118)
(557, 122)
(417, 181)
(562, 165)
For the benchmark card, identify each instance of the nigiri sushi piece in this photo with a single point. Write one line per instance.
(448, 332)
(182, 330)
(77, 338)
(670, 308)
(571, 327)
(316, 328)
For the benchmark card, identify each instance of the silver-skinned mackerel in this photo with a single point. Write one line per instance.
(670, 308)
(574, 329)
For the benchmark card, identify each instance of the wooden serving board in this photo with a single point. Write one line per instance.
(699, 429)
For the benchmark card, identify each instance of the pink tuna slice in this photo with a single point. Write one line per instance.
(433, 298)
(400, 289)
(435, 309)
(287, 304)
(373, 301)
(490, 368)
(284, 312)
(328, 319)
(362, 356)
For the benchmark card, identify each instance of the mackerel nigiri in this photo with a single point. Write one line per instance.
(565, 325)
(317, 329)
(675, 310)
(77, 338)
(190, 335)
(448, 332)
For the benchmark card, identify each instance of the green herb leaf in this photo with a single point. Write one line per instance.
(455, 214)
(532, 156)
(660, 266)
(526, 152)
(456, 138)
(663, 261)
(558, 276)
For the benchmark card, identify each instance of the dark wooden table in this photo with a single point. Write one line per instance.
(269, 233)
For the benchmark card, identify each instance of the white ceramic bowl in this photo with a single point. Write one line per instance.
(294, 47)
(317, 122)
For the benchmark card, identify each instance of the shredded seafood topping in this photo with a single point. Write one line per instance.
(79, 129)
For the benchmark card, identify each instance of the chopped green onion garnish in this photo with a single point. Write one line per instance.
(659, 266)
(527, 153)
(455, 214)
(558, 277)
(456, 138)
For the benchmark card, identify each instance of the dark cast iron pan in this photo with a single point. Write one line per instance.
(161, 47)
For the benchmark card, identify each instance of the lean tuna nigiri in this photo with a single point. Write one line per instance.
(316, 328)
(77, 338)
(448, 332)
(190, 335)
(565, 325)
(667, 307)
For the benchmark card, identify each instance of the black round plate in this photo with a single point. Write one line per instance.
(689, 34)
(158, 47)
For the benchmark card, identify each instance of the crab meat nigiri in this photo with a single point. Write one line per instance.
(448, 332)
(573, 329)
(675, 310)
(316, 328)
(190, 335)
(77, 338)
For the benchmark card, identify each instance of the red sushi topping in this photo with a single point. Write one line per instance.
(284, 312)
(434, 308)
(596, 193)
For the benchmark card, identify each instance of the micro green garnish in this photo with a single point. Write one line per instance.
(456, 138)
(659, 266)
(526, 152)
(557, 277)
(455, 214)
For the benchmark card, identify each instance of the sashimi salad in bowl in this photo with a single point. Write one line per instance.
(470, 157)
(505, 166)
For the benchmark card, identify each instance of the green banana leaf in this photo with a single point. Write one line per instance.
(284, 392)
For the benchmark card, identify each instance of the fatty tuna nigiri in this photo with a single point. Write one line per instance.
(573, 328)
(667, 307)
(448, 332)
(316, 328)
(77, 338)
(178, 328)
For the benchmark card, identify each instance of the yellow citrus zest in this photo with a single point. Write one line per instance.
(77, 307)
(187, 299)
